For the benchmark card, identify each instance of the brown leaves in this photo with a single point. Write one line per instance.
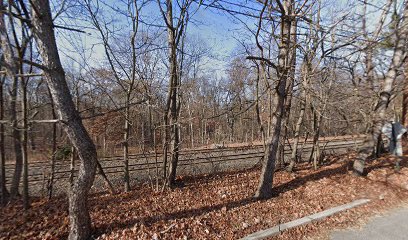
(219, 206)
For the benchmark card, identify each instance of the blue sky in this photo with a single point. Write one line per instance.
(216, 29)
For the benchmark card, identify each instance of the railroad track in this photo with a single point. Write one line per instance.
(190, 161)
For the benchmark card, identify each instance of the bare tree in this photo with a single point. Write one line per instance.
(404, 117)
(289, 90)
(11, 66)
(126, 73)
(264, 189)
(50, 185)
(400, 35)
(4, 192)
(305, 71)
(43, 31)
(175, 33)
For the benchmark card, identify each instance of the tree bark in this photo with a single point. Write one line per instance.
(289, 91)
(4, 192)
(264, 189)
(316, 134)
(50, 185)
(126, 147)
(404, 118)
(303, 103)
(24, 141)
(11, 68)
(80, 221)
(18, 169)
(173, 106)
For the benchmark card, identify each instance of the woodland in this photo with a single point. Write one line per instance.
(113, 111)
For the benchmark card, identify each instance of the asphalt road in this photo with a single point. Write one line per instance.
(390, 226)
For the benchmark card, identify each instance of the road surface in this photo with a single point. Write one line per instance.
(390, 226)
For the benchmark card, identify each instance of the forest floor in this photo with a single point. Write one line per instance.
(221, 206)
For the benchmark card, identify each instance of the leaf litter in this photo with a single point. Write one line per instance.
(221, 206)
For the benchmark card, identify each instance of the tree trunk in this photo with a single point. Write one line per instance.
(404, 118)
(18, 169)
(11, 68)
(174, 150)
(316, 133)
(54, 150)
(266, 179)
(293, 157)
(151, 129)
(24, 142)
(405, 104)
(370, 67)
(191, 125)
(72, 166)
(80, 222)
(306, 72)
(4, 192)
(50, 184)
(174, 88)
(126, 148)
(165, 144)
(289, 92)
(105, 178)
(379, 113)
